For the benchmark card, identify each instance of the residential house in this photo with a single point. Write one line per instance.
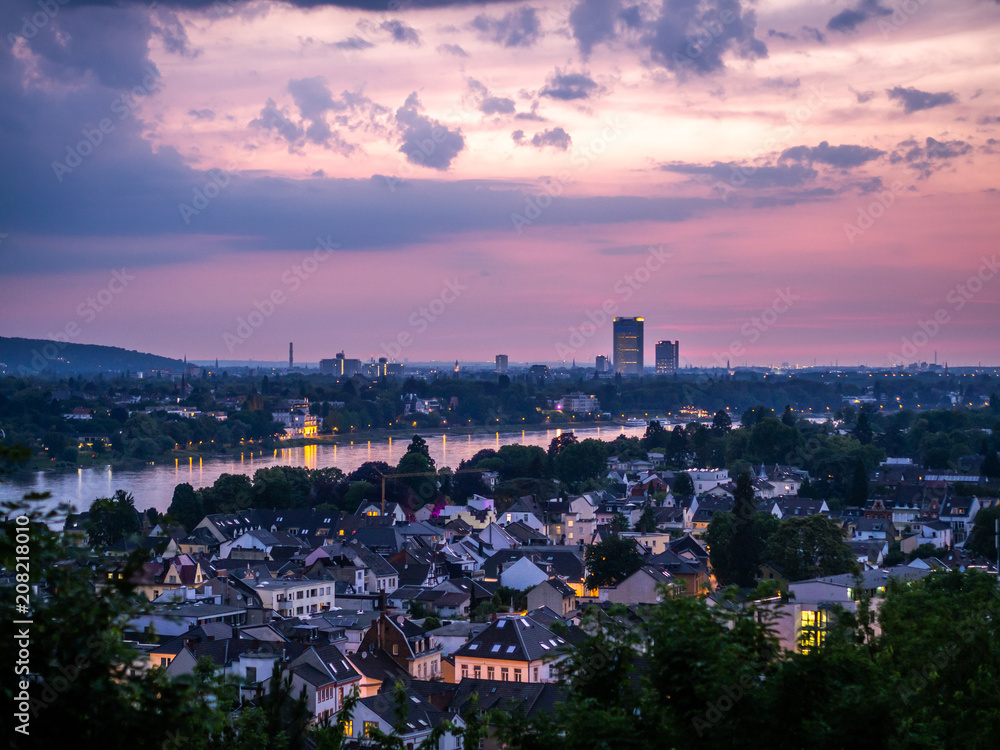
(511, 648)
(327, 678)
(290, 597)
(554, 594)
(406, 643)
(644, 586)
(380, 712)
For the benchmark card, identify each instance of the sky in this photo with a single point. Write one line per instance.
(766, 182)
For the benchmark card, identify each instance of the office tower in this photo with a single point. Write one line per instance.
(628, 345)
(501, 363)
(602, 364)
(667, 356)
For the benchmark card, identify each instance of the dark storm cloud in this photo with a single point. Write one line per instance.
(914, 100)
(844, 156)
(110, 43)
(848, 20)
(426, 141)
(569, 86)
(519, 28)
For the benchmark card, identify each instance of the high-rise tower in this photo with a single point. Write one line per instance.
(628, 344)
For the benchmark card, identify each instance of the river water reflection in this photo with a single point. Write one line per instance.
(153, 486)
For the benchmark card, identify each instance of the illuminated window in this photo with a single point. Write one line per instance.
(369, 726)
(348, 728)
(812, 626)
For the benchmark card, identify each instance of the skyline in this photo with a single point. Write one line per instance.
(771, 182)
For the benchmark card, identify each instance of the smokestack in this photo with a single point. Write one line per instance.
(291, 360)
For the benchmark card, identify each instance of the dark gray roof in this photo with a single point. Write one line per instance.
(515, 638)
(565, 562)
(527, 699)
(422, 716)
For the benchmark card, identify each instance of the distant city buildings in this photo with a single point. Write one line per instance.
(501, 363)
(538, 374)
(667, 356)
(340, 366)
(296, 418)
(603, 364)
(579, 402)
(628, 345)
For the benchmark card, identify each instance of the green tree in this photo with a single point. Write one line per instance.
(858, 494)
(559, 443)
(683, 485)
(982, 540)
(991, 465)
(744, 557)
(610, 561)
(618, 523)
(186, 507)
(722, 423)
(863, 428)
(941, 644)
(719, 537)
(655, 436)
(788, 417)
(113, 519)
(578, 462)
(808, 548)
(647, 521)
(83, 689)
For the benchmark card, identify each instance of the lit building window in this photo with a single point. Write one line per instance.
(812, 630)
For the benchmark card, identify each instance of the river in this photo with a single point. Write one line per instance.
(153, 486)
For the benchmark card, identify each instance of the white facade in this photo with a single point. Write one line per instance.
(292, 598)
(708, 479)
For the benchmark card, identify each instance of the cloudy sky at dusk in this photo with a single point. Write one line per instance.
(771, 181)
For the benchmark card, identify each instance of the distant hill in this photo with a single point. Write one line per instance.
(38, 356)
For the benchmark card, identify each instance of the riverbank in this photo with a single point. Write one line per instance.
(266, 448)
